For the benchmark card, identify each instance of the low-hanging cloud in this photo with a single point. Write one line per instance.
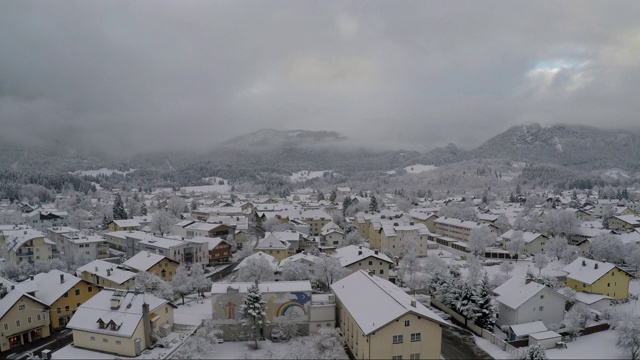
(124, 77)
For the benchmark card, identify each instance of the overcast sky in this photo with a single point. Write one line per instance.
(145, 75)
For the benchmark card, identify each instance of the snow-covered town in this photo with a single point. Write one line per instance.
(307, 275)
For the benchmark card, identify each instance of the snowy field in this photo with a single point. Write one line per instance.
(103, 171)
(304, 175)
(419, 168)
(193, 311)
(245, 350)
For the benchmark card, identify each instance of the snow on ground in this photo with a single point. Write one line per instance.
(194, 310)
(491, 349)
(103, 171)
(304, 175)
(601, 345)
(419, 168)
(222, 189)
(245, 350)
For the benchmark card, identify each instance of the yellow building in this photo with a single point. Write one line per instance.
(63, 293)
(152, 263)
(380, 321)
(596, 277)
(275, 247)
(23, 318)
(107, 275)
(22, 243)
(624, 222)
(121, 322)
(124, 225)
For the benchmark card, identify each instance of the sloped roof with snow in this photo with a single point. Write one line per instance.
(272, 242)
(528, 328)
(526, 235)
(272, 260)
(117, 275)
(515, 292)
(271, 286)
(374, 302)
(47, 286)
(353, 253)
(587, 273)
(127, 223)
(143, 260)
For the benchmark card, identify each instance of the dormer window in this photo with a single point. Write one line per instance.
(102, 324)
(113, 326)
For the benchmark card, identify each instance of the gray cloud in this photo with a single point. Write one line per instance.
(147, 75)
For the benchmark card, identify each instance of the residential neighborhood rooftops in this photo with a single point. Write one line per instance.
(107, 270)
(143, 260)
(273, 286)
(49, 287)
(354, 253)
(515, 291)
(586, 270)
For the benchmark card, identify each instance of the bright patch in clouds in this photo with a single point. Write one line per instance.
(563, 75)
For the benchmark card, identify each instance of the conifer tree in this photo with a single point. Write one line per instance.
(118, 209)
(373, 205)
(143, 209)
(253, 312)
(345, 205)
(486, 309)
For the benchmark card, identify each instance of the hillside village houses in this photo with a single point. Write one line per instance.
(596, 277)
(152, 263)
(22, 243)
(107, 275)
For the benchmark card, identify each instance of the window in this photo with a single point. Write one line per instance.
(584, 285)
(105, 340)
(21, 307)
(414, 356)
(6, 327)
(59, 310)
(29, 320)
(541, 296)
(541, 308)
(397, 339)
(118, 342)
(77, 305)
(66, 308)
(415, 337)
(370, 262)
(166, 309)
(77, 292)
(381, 271)
(39, 317)
(66, 294)
(396, 357)
(407, 323)
(608, 284)
(93, 338)
(17, 323)
(90, 289)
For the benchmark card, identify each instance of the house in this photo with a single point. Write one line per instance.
(124, 225)
(624, 222)
(43, 219)
(331, 234)
(378, 320)
(524, 330)
(394, 233)
(24, 318)
(534, 242)
(425, 216)
(81, 248)
(522, 301)
(62, 292)
(596, 277)
(22, 243)
(106, 274)
(219, 250)
(458, 229)
(190, 228)
(355, 258)
(285, 301)
(183, 251)
(152, 263)
(273, 246)
(121, 322)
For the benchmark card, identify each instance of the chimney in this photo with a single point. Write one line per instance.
(595, 266)
(146, 324)
(31, 277)
(584, 263)
(148, 253)
(360, 252)
(527, 280)
(413, 303)
(108, 272)
(376, 252)
(61, 278)
(115, 303)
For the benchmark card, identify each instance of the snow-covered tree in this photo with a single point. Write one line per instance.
(254, 317)
(77, 219)
(479, 239)
(143, 209)
(569, 254)
(628, 331)
(328, 270)
(181, 282)
(256, 268)
(506, 267)
(607, 247)
(560, 222)
(294, 271)
(516, 245)
(607, 212)
(161, 222)
(199, 280)
(632, 255)
(486, 316)
(200, 345)
(373, 205)
(535, 352)
(353, 238)
(289, 327)
(502, 223)
(153, 284)
(540, 261)
(270, 224)
(576, 319)
(325, 344)
(475, 269)
(556, 246)
(176, 206)
(118, 209)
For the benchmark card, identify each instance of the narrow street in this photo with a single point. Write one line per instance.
(458, 343)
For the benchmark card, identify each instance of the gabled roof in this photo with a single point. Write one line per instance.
(528, 328)
(515, 292)
(374, 302)
(588, 271)
(354, 253)
(526, 235)
(100, 267)
(47, 286)
(272, 242)
(128, 315)
(127, 223)
(144, 260)
(13, 296)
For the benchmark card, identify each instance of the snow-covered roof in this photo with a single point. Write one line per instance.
(515, 291)
(354, 253)
(589, 299)
(586, 270)
(128, 316)
(127, 223)
(298, 257)
(143, 260)
(528, 328)
(272, 260)
(545, 335)
(374, 302)
(630, 219)
(47, 286)
(100, 267)
(272, 286)
(12, 297)
(526, 235)
(457, 222)
(272, 242)
(16, 238)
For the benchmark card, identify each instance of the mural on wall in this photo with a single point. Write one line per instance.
(293, 305)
